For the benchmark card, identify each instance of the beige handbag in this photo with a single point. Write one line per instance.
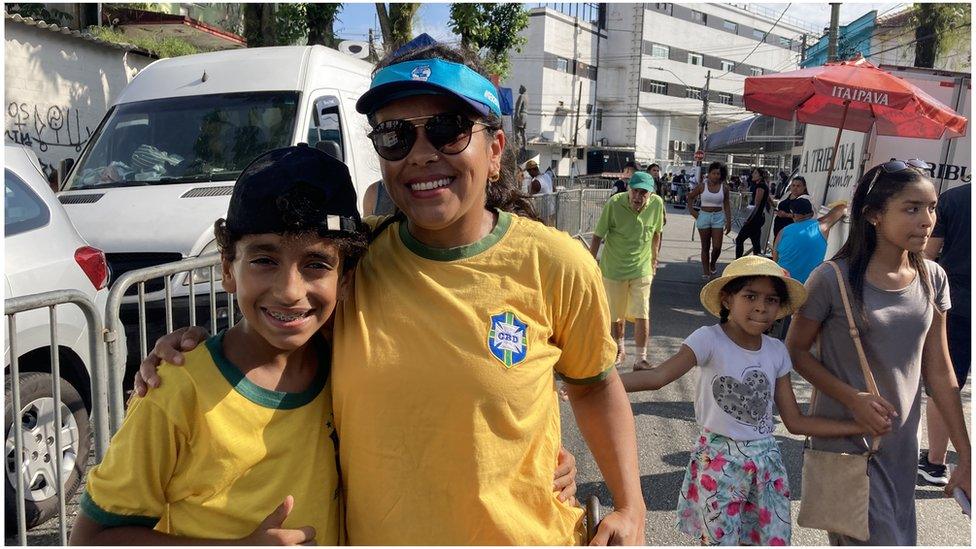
(835, 486)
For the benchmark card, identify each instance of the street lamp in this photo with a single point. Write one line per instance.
(672, 72)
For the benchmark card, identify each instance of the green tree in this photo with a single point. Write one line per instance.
(320, 20)
(939, 28)
(492, 30)
(397, 23)
(259, 25)
(279, 24)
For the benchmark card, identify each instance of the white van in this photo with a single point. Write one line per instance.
(160, 168)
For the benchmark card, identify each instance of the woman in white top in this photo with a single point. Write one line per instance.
(715, 215)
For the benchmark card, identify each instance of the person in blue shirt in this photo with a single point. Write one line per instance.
(801, 246)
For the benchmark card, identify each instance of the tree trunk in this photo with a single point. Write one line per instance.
(397, 24)
(384, 18)
(321, 21)
(259, 25)
(926, 36)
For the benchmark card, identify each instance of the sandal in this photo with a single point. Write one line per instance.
(642, 364)
(621, 355)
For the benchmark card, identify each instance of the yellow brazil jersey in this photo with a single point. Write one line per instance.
(444, 392)
(210, 454)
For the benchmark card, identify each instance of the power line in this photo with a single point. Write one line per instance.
(764, 38)
(914, 41)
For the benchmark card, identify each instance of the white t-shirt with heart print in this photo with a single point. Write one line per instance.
(736, 385)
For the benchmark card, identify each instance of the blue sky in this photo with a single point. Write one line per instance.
(357, 18)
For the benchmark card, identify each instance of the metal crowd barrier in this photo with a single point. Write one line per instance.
(99, 392)
(115, 330)
(576, 211)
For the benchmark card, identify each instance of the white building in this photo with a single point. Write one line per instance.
(650, 62)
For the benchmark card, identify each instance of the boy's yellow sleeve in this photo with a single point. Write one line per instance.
(582, 318)
(128, 488)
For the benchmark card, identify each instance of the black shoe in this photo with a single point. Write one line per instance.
(932, 473)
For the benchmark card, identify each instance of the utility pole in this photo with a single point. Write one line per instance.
(832, 39)
(703, 119)
(572, 166)
(803, 49)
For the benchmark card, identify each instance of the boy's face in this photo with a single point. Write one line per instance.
(286, 286)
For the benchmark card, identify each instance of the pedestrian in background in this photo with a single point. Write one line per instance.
(784, 215)
(752, 229)
(540, 186)
(801, 246)
(655, 171)
(899, 301)
(620, 185)
(735, 490)
(631, 226)
(715, 215)
(951, 236)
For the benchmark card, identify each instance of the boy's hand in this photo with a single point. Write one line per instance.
(621, 527)
(167, 349)
(270, 532)
(564, 481)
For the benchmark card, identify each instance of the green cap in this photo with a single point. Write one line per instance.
(642, 180)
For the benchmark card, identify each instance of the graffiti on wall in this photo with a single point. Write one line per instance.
(44, 129)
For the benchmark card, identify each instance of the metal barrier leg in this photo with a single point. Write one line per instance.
(18, 433)
(58, 424)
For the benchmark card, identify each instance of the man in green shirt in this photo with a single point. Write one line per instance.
(631, 225)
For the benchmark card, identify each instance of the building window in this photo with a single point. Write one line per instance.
(693, 93)
(599, 119)
(758, 34)
(657, 51)
(730, 26)
(785, 42)
(695, 59)
(562, 65)
(653, 86)
(666, 8)
(725, 98)
(728, 66)
(699, 17)
(756, 71)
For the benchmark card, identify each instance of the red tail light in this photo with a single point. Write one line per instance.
(92, 261)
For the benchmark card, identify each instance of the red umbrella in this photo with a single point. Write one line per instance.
(852, 95)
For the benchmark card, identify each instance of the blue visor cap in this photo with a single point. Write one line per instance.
(430, 76)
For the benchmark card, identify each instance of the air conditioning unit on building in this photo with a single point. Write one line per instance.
(677, 146)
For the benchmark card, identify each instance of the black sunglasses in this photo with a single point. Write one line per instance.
(895, 166)
(448, 133)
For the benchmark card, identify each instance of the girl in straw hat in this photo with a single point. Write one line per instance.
(735, 489)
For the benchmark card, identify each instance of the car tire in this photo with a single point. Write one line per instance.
(37, 399)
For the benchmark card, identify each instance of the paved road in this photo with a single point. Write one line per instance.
(665, 419)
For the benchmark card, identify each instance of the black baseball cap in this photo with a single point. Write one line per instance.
(293, 189)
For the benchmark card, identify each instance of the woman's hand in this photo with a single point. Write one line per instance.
(564, 480)
(167, 349)
(621, 527)
(960, 477)
(728, 227)
(872, 412)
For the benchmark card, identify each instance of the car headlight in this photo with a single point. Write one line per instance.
(202, 275)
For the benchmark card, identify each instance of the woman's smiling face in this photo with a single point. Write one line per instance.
(440, 192)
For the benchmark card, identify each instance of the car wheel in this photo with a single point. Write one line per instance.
(36, 421)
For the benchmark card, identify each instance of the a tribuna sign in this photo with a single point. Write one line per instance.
(863, 96)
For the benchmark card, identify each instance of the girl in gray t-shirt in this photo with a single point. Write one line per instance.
(899, 301)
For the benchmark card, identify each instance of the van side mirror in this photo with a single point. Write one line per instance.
(63, 168)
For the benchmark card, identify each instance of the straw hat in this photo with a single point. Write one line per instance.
(752, 265)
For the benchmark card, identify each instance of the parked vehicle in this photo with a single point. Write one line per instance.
(160, 168)
(43, 252)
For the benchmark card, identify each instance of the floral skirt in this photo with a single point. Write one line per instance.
(735, 493)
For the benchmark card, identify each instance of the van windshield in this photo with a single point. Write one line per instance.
(185, 139)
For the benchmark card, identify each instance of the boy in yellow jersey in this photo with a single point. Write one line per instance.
(240, 444)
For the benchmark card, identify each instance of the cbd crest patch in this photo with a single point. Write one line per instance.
(506, 339)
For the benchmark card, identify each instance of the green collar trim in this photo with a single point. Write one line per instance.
(460, 252)
(266, 397)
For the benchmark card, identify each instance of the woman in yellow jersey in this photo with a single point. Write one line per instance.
(444, 352)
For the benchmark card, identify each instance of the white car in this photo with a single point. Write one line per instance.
(42, 252)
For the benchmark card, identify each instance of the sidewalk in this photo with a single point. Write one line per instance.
(665, 419)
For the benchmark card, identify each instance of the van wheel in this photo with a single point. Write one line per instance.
(37, 465)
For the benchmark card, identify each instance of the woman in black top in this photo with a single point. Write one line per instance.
(784, 210)
(752, 228)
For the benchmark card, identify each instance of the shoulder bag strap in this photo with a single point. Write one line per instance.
(872, 387)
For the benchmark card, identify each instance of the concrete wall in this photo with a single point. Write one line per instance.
(58, 87)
